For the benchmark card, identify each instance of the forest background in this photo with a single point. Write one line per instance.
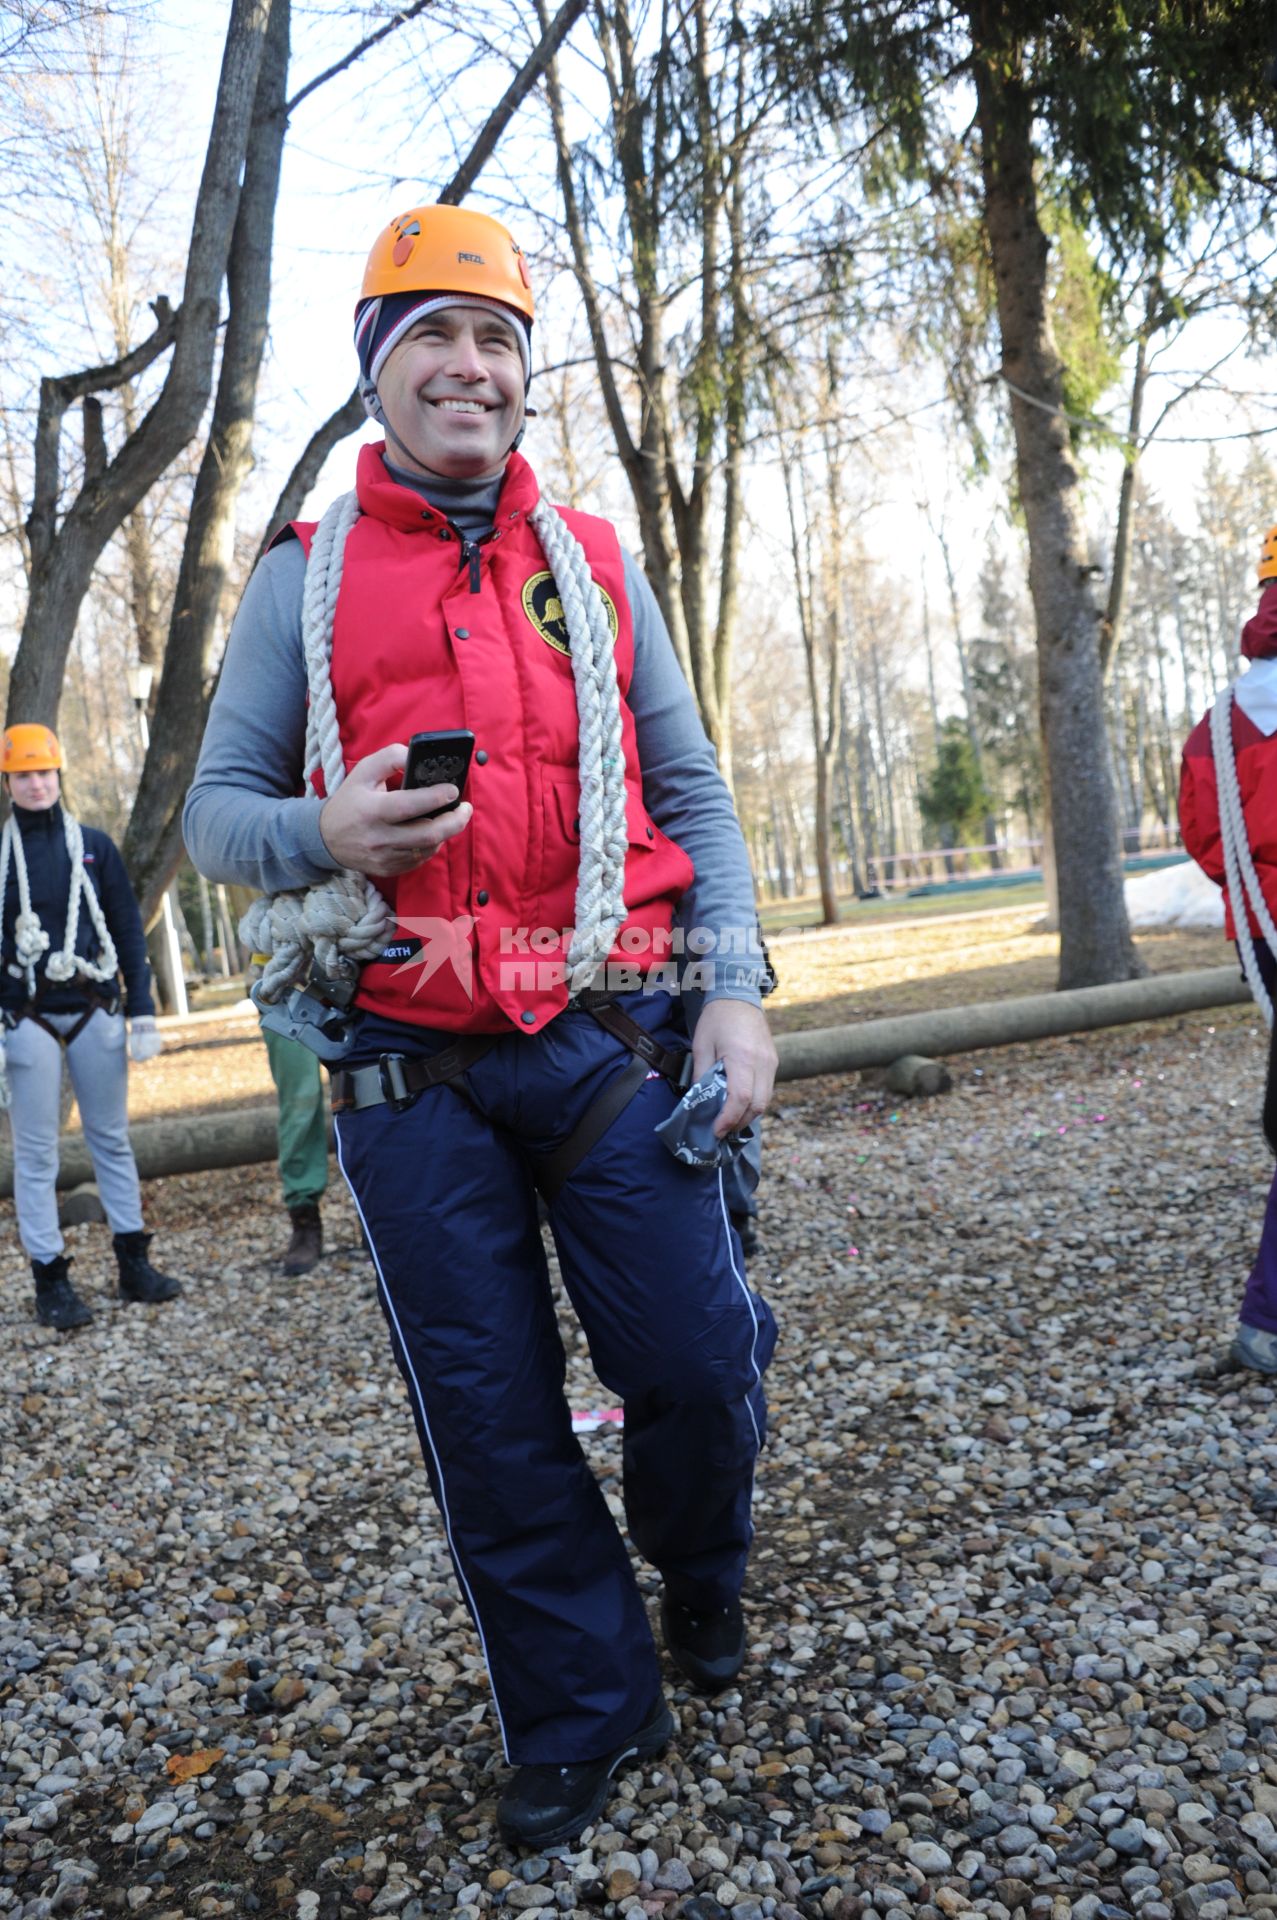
(922, 352)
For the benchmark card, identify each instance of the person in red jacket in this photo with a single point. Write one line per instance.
(496, 978)
(1228, 818)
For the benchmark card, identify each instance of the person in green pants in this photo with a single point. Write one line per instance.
(303, 1146)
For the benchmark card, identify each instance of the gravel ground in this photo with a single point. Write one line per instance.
(1011, 1644)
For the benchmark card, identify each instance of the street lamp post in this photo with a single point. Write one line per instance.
(139, 680)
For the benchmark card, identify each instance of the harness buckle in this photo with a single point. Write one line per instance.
(396, 1092)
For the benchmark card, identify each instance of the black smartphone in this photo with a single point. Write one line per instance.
(434, 758)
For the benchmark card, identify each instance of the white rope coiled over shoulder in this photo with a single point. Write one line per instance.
(599, 912)
(346, 920)
(30, 938)
(1239, 868)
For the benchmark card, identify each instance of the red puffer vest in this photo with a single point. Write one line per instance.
(421, 642)
(1255, 752)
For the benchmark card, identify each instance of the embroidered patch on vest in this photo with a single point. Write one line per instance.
(544, 609)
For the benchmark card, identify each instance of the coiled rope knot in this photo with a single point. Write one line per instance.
(29, 939)
(344, 920)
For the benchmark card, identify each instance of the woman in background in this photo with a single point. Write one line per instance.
(71, 932)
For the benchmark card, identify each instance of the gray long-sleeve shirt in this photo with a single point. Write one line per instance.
(245, 823)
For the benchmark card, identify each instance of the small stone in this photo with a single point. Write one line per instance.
(156, 1818)
(675, 1876)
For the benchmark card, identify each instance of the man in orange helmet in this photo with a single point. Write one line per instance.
(515, 1025)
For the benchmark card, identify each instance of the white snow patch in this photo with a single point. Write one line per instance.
(1177, 896)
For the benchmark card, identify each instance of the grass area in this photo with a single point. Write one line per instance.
(804, 911)
(860, 972)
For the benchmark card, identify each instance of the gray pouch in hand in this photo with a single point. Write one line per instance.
(689, 1130)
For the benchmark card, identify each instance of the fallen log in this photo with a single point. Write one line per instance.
(177, 1143)
(243, 1136)
(1002, 1023)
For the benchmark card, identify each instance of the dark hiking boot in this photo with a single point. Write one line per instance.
(708, 1646)
(57, 1304)
(139, 1280)
(305, 1249)
(546, 1805)
(1254, 1348)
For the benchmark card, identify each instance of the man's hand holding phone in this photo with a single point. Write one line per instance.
(380, 827)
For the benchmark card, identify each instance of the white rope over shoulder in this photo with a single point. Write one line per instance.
(345, 920)
(1239, 868)
(30, 938)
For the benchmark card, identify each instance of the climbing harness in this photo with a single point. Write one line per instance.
(31, 941)
(395, 1080)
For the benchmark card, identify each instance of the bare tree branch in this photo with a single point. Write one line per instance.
(345, 419)
(525, 79)
(63, 558)
(349, 59)
(57, 393)
(116, 373)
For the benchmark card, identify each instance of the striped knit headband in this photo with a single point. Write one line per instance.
(381, 324)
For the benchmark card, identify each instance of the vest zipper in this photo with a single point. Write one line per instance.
(471, 554)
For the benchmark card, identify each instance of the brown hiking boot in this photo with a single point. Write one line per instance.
(305, 1249)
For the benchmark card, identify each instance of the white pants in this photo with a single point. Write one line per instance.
(99, 1066)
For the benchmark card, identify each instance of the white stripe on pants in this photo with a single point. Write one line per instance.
(99, 1067)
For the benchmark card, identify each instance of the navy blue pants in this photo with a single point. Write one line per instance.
(1259, 1303)
(654, 1270)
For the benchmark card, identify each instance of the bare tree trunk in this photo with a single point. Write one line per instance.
(343, 420)
(1119, 571)
(1095, 940)
(932, 703)
(968, 690)
(848, 804)
(643, 459)
(884, 745)
(64, 554)
(824, 707)
(153, 845)
(663, 115)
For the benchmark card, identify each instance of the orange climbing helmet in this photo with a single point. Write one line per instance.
(432, 257)
(30, 749)
(1268, 557)
(449, 250)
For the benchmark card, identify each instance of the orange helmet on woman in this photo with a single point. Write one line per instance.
(29, 748)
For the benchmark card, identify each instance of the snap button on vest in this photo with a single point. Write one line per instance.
(462, 633)
(528, 1019)
(482, 757)
(482, 896)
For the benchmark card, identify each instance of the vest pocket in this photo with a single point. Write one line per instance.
(563, 811)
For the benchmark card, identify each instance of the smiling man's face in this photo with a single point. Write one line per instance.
(452, 394)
